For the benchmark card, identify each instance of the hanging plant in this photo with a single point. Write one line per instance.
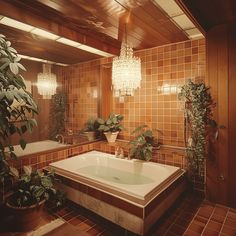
(198, 115)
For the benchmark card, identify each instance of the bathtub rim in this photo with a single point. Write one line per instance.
(116, 191)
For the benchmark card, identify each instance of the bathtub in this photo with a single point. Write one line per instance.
(135, 192)
(36, 147)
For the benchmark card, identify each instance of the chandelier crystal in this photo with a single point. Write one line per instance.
(46, 82)
(126, 72)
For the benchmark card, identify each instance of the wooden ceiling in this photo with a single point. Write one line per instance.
(210, 13)
(96, 23)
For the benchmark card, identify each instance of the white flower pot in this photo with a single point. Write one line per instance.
(111, 136)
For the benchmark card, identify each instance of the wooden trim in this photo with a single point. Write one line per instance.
(190, 16)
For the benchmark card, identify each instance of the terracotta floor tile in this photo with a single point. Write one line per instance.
(218, 218)
(63, 211)
(95, 230)
(200, 219)
(215, 226)
(219, 210)
(77, 220)
(231, 223)
(85, 225)
(228, 230)
(205, 211)
(70, 216)
(191, 233)
(209, 232)
(232, 210)
(231, 215)
(196, 227)
(177, 229)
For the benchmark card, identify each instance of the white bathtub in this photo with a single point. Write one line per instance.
(137, 180)
(131, 193)
(35, 147)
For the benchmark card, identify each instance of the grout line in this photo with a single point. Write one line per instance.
(208, 220)
(101, 232)
(224, 221)
(193, 219)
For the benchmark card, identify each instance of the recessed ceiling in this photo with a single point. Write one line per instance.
(99, 26)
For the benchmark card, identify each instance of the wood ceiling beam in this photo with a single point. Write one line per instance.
(25, 16)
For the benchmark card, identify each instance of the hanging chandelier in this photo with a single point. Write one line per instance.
(46, 82)
(126, 72)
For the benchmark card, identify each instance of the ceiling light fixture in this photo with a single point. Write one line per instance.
(43, 33)
(46, 82)
(126, 71)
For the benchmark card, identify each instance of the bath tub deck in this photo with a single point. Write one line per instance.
(130, 193)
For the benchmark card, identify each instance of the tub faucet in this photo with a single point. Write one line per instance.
(119, 153)
(60, 138)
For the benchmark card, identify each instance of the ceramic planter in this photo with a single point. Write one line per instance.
(26, 218)
(111, 136)
(91, 135)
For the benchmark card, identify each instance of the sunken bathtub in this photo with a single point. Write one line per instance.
(130, 193)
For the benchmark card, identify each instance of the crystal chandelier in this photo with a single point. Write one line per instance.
(47, 82)
(126, 72)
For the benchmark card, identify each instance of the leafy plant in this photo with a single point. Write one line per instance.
(111, 124)
(16, 104)
(143, 144)
(32, 187)
(91, 125)
(198, 115)
(57, 117)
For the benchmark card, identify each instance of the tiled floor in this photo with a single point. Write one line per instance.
(191, 216)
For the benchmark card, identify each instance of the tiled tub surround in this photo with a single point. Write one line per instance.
(156, 104)
(169, 156)
(38, 147)
(134, 206)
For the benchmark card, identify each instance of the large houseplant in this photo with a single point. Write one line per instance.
(198, 118)
(17, 106)
(143, 144)
(111, 126)
(31, 190)
(17, 109)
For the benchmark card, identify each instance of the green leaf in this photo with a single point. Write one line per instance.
(14, 172)
(14, 68)
(27, 170)
(23, 143)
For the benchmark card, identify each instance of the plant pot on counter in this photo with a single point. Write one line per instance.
(25, 218)
(91, 135)
(111, 136)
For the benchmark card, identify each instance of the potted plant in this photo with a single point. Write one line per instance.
(91, 128)
(30, 192)
(201, 130)
(143, 144)
(111, 126)
(17, 107)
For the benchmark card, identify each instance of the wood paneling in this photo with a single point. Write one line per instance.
(39, 47)
(94, 23)
(221, 64)
(232, 114)
(210, 13)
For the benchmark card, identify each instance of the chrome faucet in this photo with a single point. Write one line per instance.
(60, 138)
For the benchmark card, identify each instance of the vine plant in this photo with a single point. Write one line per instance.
(57, 114)
(198, 116)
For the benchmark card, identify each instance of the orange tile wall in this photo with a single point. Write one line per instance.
(164, 70)
(80, 83)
